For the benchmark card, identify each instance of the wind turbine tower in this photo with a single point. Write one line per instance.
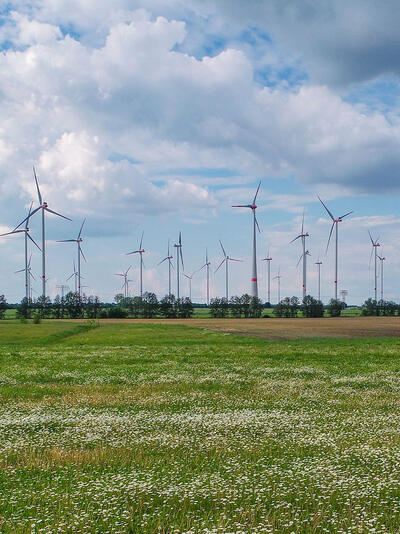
(179, 256)
(381, 259)
(78, 241)
(304, 255)
(253, 207)
(268, 259)
(190, 278)
(375, 244)
(140, 251)
(335, 223)
(319, 263)
(278, 277)
(226, 260)
(207, 265)
(125, 286)
(168, 258)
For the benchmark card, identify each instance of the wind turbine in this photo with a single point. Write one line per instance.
(253, 207)
(27, 269)
(375, 244)
(168, 258)
(304, 255)
(75, 275)
(78, 241)
(140, 251)
(278, 277)
(335, 223)
(381, 259)
(25, 231)
(207, 265)
(226, 260)
(125, 285)
(179, 256)
(268, 259)
(190, 278)
(319, 263)
(44, 207)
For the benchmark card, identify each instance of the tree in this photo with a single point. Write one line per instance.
(93, 306)
(43, 306)
(3, 306)
(24, 309)
(370, 307)
(387, 307)
(116, 312)
(312, 307)
(73, 305)
(245, 301)
(256, 307)
(219, 307)
(294, 306)
(235, 306)
(185, 308)
(168, 307)
(149, 305)
(118, 297)
(57, 307)
(335, 307)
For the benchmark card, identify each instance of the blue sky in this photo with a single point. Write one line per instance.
(157, 117)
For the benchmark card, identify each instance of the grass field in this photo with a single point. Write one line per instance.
(142, 428)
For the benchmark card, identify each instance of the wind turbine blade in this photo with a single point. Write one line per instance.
(186, 276)
(128, 269)
(141, 241)
(255, 196)
(83, 255)
(205, 265)
(297, 264)
(172, 265)
(31, 274)
(20, 271)
(66, 241)
(180, 249)
(370, 236)
(29, 214)
(168, 249)
(370, 257)
(28, 217)
(162, 261)
(13, 232)
(58, 214)
(293, 240)
(302, 224)
(37, 186)
(80, 231)
(115, 274)
(222, 246)
(69, 278)
(330, 214)
(180, 238)
(345, 215)
(34, 242)
(29, 262)
(242, 206)
(134, 252)
(258, 226)
(233, 259)
(220, 265)
(329, 238)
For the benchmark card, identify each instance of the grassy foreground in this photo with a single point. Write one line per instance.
(141, 428)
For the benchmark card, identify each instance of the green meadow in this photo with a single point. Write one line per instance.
(160, 428)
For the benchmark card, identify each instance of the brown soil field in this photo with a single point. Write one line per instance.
(287, 329)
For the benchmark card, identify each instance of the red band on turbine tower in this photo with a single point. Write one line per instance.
(254, 279)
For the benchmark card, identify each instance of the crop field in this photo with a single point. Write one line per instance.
(160, 427)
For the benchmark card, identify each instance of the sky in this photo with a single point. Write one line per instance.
(157, 116)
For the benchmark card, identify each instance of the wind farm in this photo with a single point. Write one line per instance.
(252, 287)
